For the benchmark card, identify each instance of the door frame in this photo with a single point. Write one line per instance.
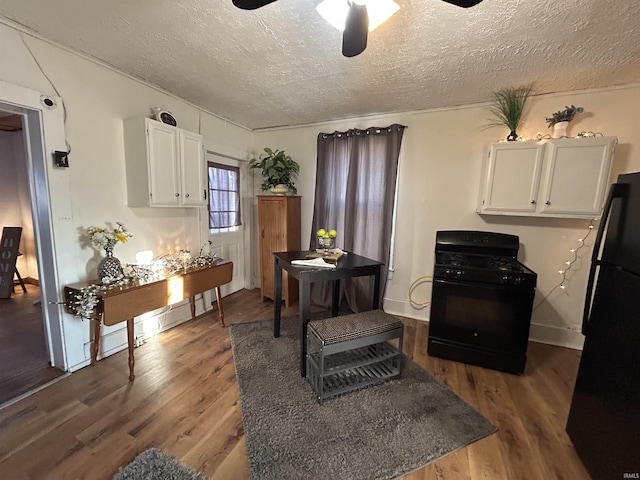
(43, 131)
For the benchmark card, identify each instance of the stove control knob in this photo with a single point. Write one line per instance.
(505, 279)
(517, 280)
(459, 273)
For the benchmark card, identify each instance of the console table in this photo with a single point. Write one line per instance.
(349, 266)
(124, 302)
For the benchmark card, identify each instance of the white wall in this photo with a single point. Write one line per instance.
(439, 178)
(96, 100)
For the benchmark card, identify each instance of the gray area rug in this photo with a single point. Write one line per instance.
(380, 432)
(154, 464)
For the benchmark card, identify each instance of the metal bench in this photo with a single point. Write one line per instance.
(352, 351)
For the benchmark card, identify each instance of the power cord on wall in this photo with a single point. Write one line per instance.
(412, 287)
(44, 74)
(569, 264)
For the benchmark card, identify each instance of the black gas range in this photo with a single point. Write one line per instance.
(481, 300)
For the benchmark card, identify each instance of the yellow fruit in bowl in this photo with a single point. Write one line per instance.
(321, 233)
(333, 234)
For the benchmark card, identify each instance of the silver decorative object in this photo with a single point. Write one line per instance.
(326, 243)
(109, 268)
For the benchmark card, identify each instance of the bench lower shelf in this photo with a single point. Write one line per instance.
(351, 370)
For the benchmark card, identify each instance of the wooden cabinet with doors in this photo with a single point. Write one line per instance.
(278, 231)
(564, 178)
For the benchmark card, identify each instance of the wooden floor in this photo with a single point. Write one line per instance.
(24, 363)
(184, 400)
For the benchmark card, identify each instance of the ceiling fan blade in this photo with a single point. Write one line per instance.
(251, 4)
(463, 3)
(356, 28)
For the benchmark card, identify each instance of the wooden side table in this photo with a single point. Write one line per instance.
(124, 302)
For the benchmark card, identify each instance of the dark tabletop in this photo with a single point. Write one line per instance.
(351, 260)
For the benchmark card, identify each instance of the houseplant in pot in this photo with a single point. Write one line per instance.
(560, 120)
(277, 170)
(507, 106)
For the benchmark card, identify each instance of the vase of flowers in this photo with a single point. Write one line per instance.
(559, 121)
(109, 268)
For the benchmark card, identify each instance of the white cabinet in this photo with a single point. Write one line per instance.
(554, 178)
(165, 165)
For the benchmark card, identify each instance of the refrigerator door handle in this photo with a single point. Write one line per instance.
(616, 191)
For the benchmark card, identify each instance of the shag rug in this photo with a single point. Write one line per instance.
(380, 432)
(154, 464)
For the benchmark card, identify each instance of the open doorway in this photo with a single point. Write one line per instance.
(24, 345)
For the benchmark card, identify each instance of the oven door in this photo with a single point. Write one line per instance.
(489, 317)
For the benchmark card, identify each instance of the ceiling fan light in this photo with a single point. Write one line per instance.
(335, 11)
(380, 11)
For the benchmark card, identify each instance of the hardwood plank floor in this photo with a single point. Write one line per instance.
(23, 354)
(184, 400)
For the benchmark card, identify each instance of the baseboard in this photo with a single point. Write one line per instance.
(551, 335)
(404, 308)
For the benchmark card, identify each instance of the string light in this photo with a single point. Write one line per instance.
(569, 263)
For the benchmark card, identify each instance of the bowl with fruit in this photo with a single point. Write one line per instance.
(326, 239)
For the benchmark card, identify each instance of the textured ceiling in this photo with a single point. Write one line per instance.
(282, 64)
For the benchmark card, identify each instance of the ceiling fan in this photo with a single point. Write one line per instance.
(354, 37)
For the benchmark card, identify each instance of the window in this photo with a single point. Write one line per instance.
(224, 198)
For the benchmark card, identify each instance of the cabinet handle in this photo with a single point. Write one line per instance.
(533, 202)
(204, 194)
(263, 233)
(177, 194)
(187, 195)
(548, 202)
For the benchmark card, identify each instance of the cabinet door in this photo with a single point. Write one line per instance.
(511, 177)
(576, 176)
(192, 166)
(272, 235)
(164, 185)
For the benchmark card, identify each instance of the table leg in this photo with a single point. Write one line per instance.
(305, 317)
(219, 300)
(192, 303)
(96, 340)
(335, 298)
(374, 289)
(131, 345)
(277, 297)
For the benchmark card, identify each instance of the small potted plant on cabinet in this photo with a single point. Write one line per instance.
(507, 106)
(277, 169)
(559, 121)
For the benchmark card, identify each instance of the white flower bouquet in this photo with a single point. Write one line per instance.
(107, 238)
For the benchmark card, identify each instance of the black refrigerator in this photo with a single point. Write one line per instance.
(604, 419)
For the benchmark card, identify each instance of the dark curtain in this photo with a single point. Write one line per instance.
(355, 189)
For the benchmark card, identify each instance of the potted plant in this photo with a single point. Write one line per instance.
(277, 169)
(508, 106)
(560, 120)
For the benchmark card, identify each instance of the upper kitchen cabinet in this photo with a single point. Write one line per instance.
(565, 178)
(165, 165)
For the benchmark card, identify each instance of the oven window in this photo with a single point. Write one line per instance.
(483, 316)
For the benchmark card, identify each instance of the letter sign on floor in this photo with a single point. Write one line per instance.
(8, 253)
